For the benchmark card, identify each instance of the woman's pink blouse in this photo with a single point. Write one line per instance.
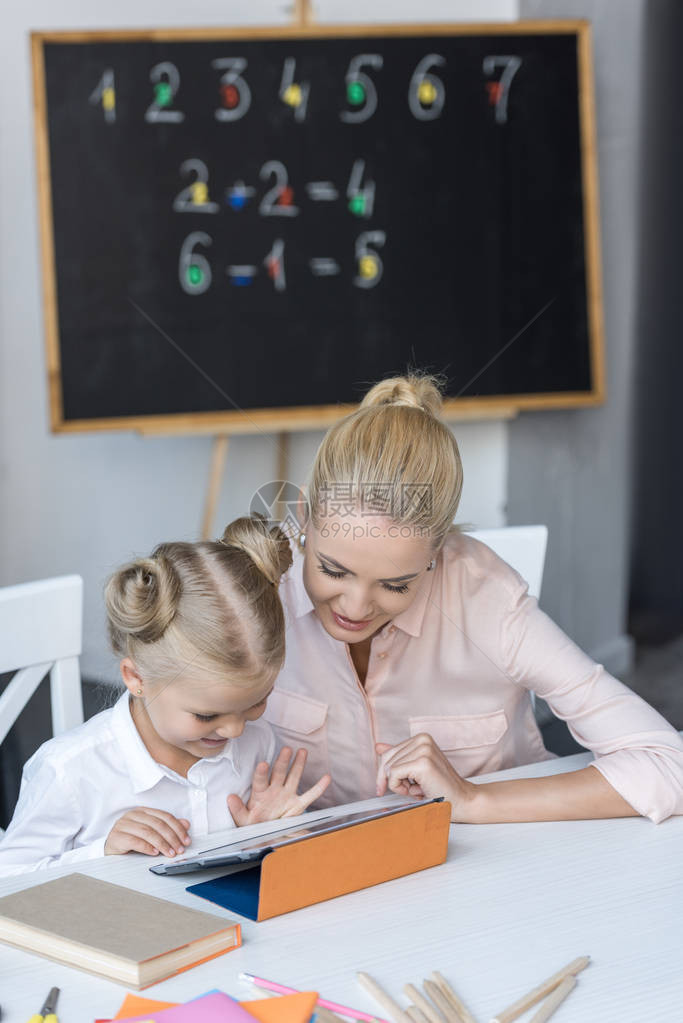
(460, 663)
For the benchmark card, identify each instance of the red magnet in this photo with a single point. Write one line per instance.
(494, 90)
(286, 196)
(230, 95)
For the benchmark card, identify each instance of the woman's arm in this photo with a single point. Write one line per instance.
(418, 767)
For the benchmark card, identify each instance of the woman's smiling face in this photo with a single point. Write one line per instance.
(361, 571)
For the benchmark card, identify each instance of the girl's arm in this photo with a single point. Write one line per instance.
(418, 767)
(46, 820)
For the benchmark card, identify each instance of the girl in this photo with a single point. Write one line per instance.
(412, 648)
(199, 628)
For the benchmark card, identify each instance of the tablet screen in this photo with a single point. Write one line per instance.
(252, 850)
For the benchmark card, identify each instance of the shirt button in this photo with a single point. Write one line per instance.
(381, 656)
(392, 629)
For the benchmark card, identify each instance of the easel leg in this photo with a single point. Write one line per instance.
(219, 452)
(303, 15)
(282, 470)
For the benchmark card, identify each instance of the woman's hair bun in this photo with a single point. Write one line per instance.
(266, 545)
(141, 600)
(415, 390)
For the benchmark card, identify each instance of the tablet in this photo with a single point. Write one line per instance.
(252, 850)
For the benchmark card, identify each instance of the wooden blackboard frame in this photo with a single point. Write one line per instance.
(271, 420)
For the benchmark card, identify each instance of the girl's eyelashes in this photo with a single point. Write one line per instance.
(339, 575)
(205, 717)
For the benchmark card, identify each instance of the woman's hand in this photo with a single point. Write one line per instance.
(417, 767)
(148, 831)
(274, 793)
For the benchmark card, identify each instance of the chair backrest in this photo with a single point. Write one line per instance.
(41, 627)
(523, 547)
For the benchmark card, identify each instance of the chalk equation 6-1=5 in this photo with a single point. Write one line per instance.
(195, 273)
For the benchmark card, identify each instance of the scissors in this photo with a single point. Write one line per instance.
(47, 1013)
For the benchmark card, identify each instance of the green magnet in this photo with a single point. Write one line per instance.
(355, 94)
(357, 205)
(163, 94)
(194, 274)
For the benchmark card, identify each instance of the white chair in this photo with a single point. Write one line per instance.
(523, 547)
(41, 627)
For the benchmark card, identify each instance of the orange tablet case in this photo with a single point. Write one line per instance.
(325, 866)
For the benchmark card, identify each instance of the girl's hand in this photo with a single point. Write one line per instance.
(274, 793)
(417, 767)
(148, 831)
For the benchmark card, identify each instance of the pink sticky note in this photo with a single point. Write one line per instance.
(215, 1008)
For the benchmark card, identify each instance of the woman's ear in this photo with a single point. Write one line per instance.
(131, 678)
(302, 509)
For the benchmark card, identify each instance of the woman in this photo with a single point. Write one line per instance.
(412, 649)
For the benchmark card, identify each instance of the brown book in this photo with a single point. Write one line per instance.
(112, 931)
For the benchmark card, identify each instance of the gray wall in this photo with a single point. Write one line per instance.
(572, 470)
(657, 536)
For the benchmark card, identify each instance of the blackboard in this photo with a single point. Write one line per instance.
(245, 229)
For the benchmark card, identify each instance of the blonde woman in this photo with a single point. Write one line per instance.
(412, 649)
(199, 629)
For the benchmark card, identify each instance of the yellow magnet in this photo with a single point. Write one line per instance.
(108, 98)
(200, 193)
(367, 267)
(292, 95)
(426, 92)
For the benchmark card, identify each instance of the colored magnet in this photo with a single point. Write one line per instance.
(355, 94)
(108, 98)
(494, 90)
(292, 95)
(200, 193)
(194, 274)
(286, 196)
(357, 205)
(367, 267)
(230, 96)
(163, 94)
(426, 92)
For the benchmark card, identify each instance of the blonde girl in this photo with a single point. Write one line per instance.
(199, 629)
(412, 649)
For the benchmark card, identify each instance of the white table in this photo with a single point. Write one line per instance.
(512, 904)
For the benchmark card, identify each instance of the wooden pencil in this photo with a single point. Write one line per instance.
(554, 999)
(440, 1000)
(382, 998)
(416, 1015)
(423, 1004)
(536, 994)
(450, 994)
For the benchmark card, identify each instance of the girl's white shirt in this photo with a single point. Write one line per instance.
(77, 785)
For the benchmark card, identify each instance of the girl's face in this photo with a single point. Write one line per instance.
(191, 716)
(361, 571)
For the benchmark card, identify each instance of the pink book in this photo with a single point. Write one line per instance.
(215, 1008)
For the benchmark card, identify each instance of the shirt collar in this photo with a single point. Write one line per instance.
(143, 769)
(409, 621)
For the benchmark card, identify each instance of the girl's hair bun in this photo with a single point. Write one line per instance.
(141, 600)
(415, 390)
(266, 545)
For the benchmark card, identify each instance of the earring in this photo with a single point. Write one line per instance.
(431, 564)
(138, 692)
(301, 541)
